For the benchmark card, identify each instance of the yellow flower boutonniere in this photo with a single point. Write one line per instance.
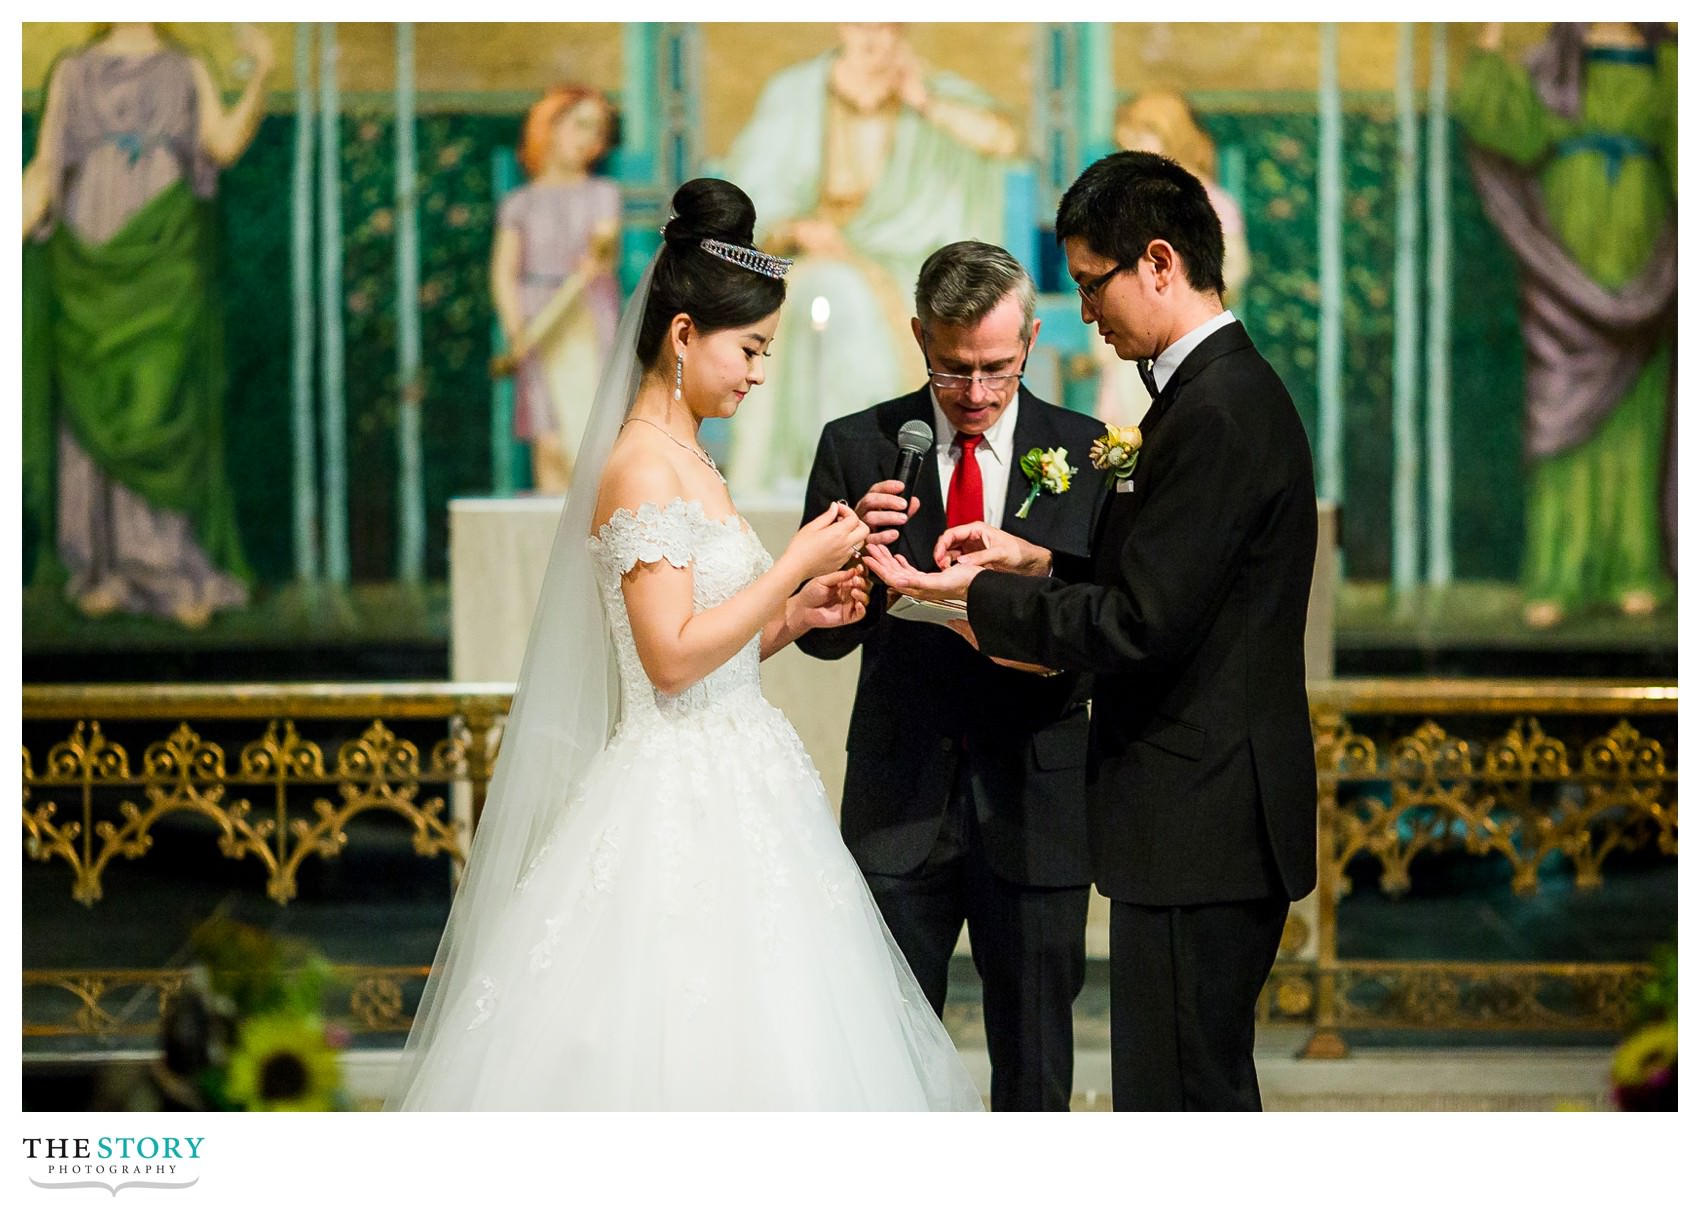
(1047, 471)
(1118, 450)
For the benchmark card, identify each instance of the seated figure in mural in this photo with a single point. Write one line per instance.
(123, 328)
(1574, 155)
(552, 276)
(1162, 122)
(861, 162)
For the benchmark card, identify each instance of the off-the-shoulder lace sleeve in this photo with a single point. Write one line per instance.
(652, 534)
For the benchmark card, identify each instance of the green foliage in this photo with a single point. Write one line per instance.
(258, 972)
(245, 1031)
(1656, 1000)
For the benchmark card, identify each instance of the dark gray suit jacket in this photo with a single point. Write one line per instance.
(1202, 780)
(924, 693)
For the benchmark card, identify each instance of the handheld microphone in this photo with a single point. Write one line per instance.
(914, 440)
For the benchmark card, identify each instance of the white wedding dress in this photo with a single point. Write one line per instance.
(693, 933)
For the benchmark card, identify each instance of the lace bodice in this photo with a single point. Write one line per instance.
(724, 556)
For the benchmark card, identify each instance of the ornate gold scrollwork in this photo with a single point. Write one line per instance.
(1294, 996)
(1409, 768)
(378, 771)
(376, 1002)
(1413, 994)
(91, 993)
(105, 1003)
(1516, 771)
(1523, 800)
(187, 774)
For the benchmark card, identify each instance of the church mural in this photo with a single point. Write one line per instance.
(1573, 148)
(124, 457)
(349, 326)
(860, 161)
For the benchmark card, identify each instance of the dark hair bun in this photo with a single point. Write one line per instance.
(709, 208)
(714, 292)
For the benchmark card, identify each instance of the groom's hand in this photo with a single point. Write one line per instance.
(984, 546)
(946, 585)
(883, 509)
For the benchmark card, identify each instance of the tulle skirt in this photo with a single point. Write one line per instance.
(694, 935)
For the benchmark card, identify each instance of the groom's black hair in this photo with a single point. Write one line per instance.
(714, 293)
(1123, 202)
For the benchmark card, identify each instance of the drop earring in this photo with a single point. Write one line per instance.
(678, 377)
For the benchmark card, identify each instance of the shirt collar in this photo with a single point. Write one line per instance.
(1169, 361)
(999, 439)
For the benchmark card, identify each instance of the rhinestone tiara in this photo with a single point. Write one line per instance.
(748, 258)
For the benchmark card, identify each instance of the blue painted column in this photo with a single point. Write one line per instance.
(1406, 321)
(1021, 216)
(637, 164)
(680, 95)
(1439, 316)
(1054, 130)
(1330, 271)
(638, 100)
(305, 514)
(331, 418)
(410, 488)
(506, 451)
(1095, 92)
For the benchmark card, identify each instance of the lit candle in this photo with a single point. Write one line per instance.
(820, 311)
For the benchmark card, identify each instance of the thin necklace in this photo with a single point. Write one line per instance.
(701, 454)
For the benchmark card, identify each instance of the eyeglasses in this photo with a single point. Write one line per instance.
(963, 383)
(1088, 291)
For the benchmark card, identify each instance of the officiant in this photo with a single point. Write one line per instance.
(964, 795)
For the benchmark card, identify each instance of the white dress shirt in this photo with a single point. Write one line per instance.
(1169, 361)
(994, 453)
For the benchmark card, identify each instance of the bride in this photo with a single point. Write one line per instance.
(658, 911)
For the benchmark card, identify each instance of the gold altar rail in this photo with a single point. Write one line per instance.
(107, 1004)
(1519, 771)
(1523, 772)
(113, 803)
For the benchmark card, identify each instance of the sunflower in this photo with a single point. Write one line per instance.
(283, 1063)
(1643, 1071)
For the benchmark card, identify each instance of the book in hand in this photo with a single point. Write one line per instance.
(927, 612)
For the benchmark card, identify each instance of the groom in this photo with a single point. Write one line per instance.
(965, 794)
(1191, 616)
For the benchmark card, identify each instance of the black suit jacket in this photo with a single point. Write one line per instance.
(1202, 780)
(923, 692)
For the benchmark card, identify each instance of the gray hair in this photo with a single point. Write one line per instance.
(961, 283)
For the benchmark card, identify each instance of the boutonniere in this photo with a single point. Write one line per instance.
(1047, 472)
(1118, 450)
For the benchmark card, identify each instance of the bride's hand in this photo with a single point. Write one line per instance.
(829, 601)
(827, 543)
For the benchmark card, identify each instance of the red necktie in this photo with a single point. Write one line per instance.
(967, 501)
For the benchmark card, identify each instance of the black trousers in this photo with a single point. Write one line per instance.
(1029, 946)
(1184, 982)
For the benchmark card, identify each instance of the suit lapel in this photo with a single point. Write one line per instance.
(1047, 523)
(1225, 340)
(1116, 521)
(1031, 430)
